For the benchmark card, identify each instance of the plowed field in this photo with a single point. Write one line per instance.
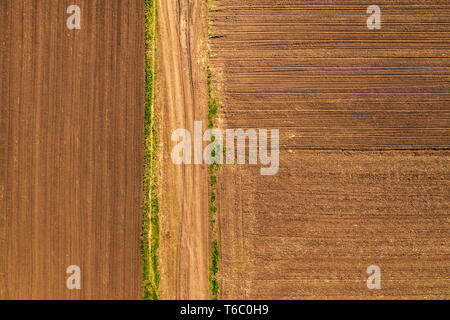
(364, 148)
(71, 148)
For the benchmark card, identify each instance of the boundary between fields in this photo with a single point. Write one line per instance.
(151, 276)
(213, 111)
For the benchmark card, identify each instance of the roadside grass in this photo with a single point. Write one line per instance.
(213, 168)
(150, 220)
(214, 269)
(213, 101)
(213, 112)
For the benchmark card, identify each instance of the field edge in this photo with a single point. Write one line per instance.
(150, 219)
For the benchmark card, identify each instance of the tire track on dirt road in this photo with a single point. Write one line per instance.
(184, 188)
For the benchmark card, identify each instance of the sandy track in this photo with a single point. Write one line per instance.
(71, 149)
(182, 98)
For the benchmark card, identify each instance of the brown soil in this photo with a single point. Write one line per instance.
(182, 98)
(363, 179)
(364, 138)
(71, 152)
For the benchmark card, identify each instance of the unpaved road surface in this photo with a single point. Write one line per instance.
(71, 149)
(182, 98)
(364, 149)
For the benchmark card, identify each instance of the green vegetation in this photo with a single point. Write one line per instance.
(214, 269)
(150, 223)
(213, 106)
(213, 101)
(214, 264)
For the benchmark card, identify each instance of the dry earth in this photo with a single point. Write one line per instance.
(364, 174)
(364, 148)
(182, 98)
(71, 149)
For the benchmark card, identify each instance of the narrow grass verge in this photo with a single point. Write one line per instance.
(213, 111)
(150, 219)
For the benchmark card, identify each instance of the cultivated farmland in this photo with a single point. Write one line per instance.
(87, 174)
(71, 149)
(364, 147)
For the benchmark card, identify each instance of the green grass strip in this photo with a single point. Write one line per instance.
(150, 219)
(213, 112)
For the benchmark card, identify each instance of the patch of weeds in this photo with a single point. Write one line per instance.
(213, 112)
(214, 269)
(150, 218)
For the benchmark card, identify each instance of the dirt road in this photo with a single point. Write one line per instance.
(181, 99)
(71, 148)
